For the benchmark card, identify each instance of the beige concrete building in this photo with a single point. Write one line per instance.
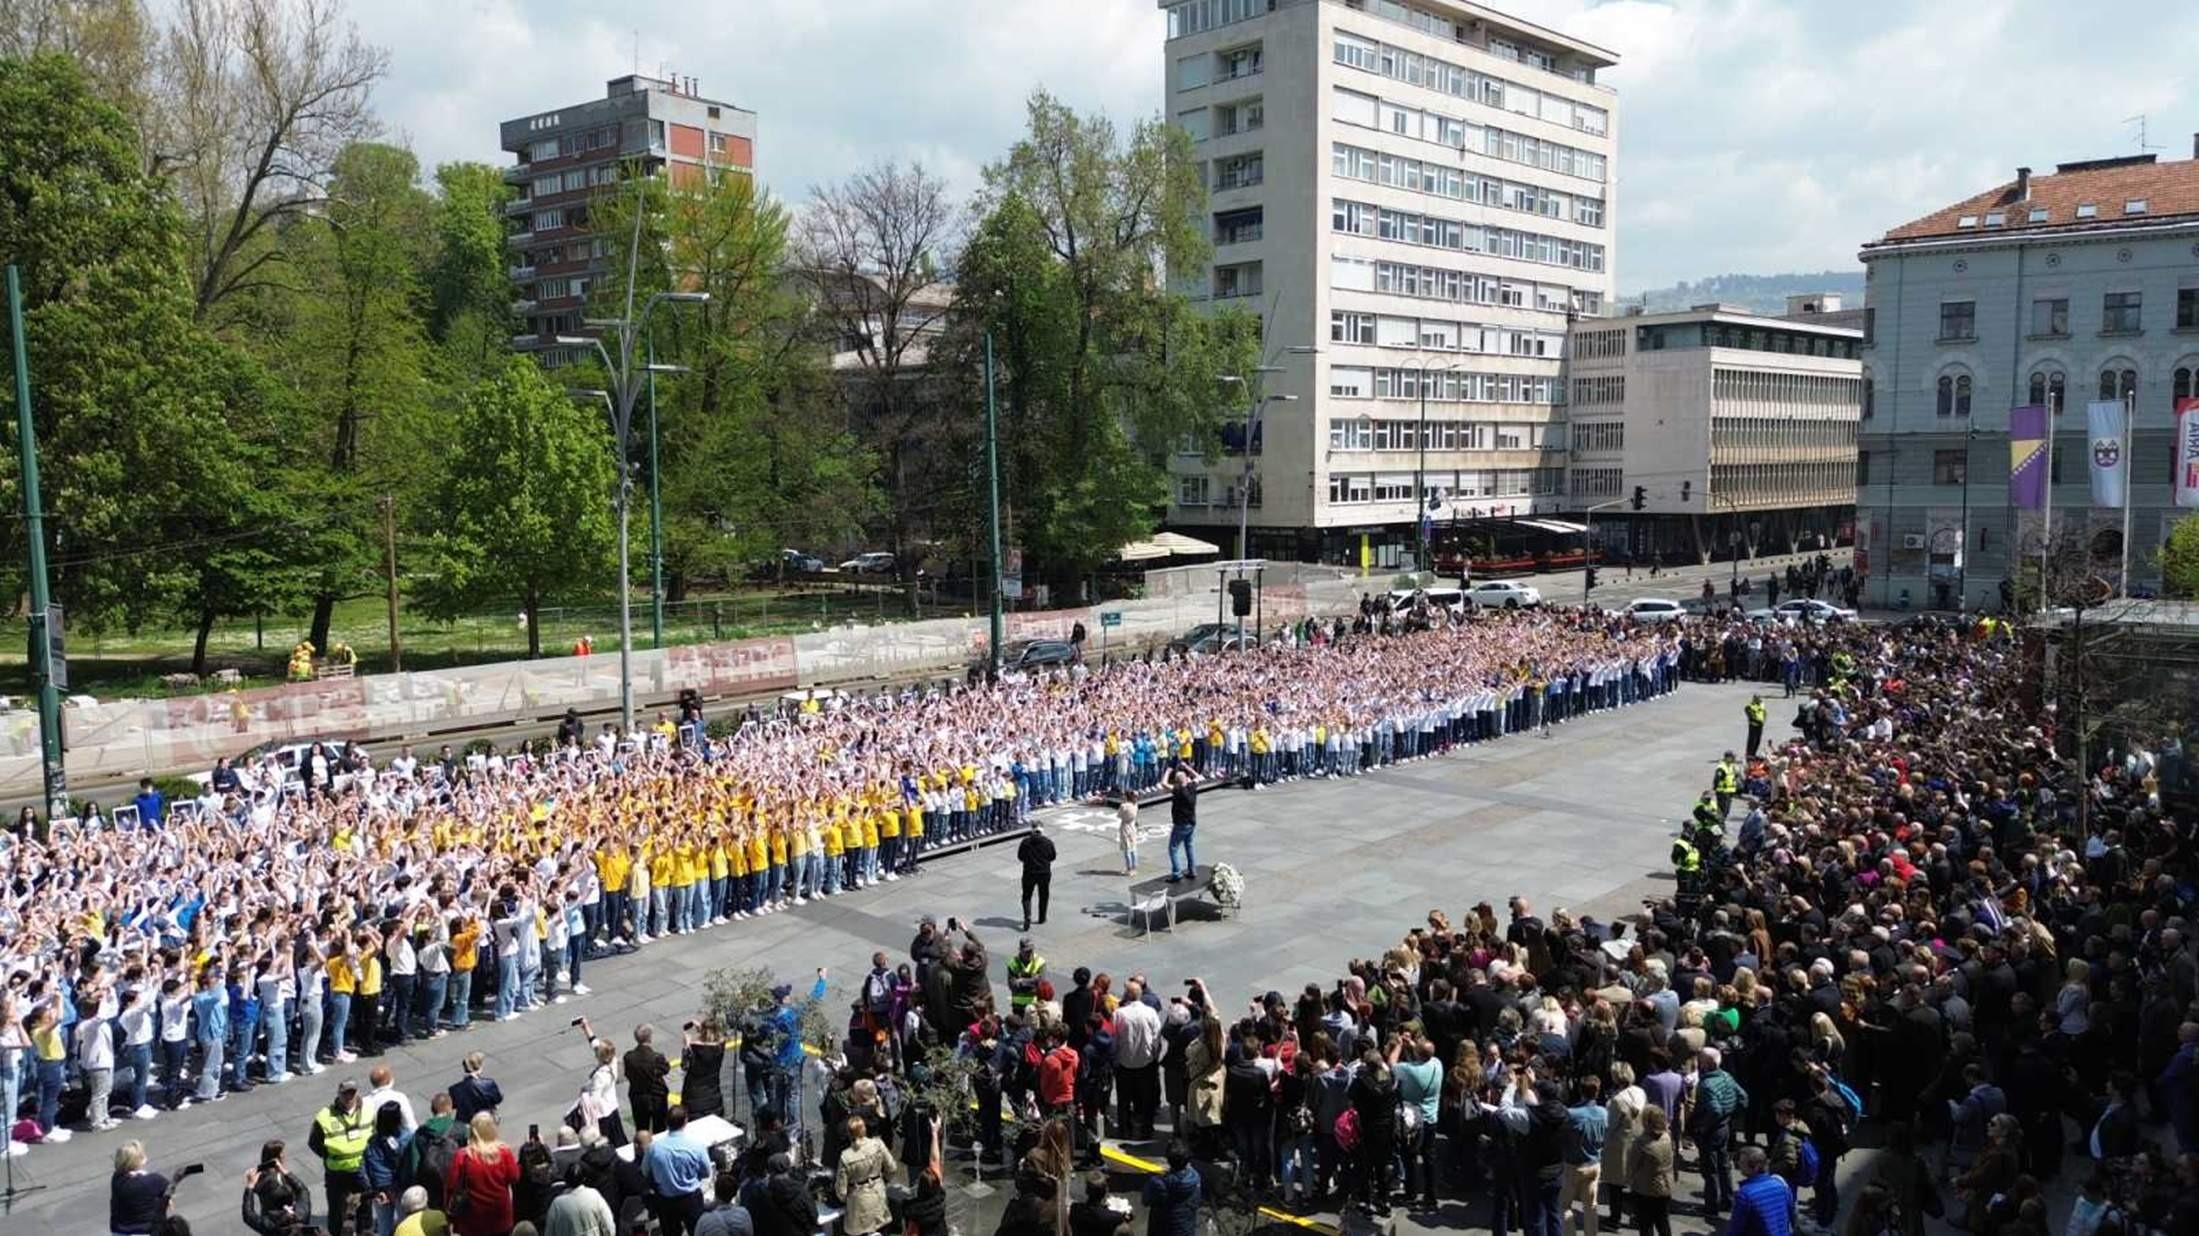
(1726, 426)
(1423, 189)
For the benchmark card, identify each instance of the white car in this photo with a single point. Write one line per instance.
(1805, 609)
(876, 562)
(1654, 609)
(1503, 594)
(1402, 599)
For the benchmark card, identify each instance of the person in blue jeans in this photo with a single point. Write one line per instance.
(1183, 810)
(210, 1011)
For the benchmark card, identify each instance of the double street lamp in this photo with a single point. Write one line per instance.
(627, 379)
(1422, 509)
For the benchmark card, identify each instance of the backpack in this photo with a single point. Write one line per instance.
(1808, 1160)
(1347, 1130)
(1851, 1104)
(757, 1050)
(428, 1162)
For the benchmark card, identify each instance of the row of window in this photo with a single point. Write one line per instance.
(572, 143)
(1199, 490)
(1743, 338)
(1595, 483)
(1225, 120)
(1443, 283)
(572, 179)
(2047, 386)
(1226, 65)
(1599, 344)
(1592, 392)
(1442, 386)
(1417, 176)
(1367, 219)
(1790, 484)
(1464, 136)
(1599, 435)
(1432, 73)
(570, 251)
(1369, 434)
(2121, 313)
(1389, 330)
(1193, 16)
(1241, 279)
(554, 288)
(1781, 433)
(1951, 467)
(1398, 486)
(1751, 386)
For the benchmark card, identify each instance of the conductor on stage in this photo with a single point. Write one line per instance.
(1183, 815)
(1037, 856)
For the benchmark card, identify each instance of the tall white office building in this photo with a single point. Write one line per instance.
(1423, 190)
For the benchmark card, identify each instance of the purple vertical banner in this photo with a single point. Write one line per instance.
(2027, 430)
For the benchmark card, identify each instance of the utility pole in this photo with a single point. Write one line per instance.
(992, 504)
(34, 530)
(389, 561)
(656, 516)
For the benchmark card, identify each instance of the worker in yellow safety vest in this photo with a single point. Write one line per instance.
(340, 1135)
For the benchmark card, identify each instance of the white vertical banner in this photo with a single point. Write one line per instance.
(2187, 452)
(2109, 451)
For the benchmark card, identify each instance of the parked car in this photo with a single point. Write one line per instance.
(1654, 609)
(1767, 618)
(1210, 637)
(1807, 609)
(876, 562)
(1504, 594)
(1402, 599)
(1036, 654)
(795, 562)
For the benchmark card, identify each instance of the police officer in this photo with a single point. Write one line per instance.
(340, 1135)
(1687, 866)
(1754, 711)
(1726, 782)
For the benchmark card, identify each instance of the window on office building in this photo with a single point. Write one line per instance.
(2119, 311)
(1958, 319)
(2050, 316)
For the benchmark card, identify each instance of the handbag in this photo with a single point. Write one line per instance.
(456, 1202)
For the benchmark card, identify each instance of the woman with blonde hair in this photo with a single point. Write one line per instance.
(860, 1180)
(137, 1199)
(1622, 1122)
(597, 1106)
(478, 1191)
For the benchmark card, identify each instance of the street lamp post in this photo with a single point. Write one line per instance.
(1253, 403)
(1420, 467)
(626, 383)
(992, 502)
(1588, 544)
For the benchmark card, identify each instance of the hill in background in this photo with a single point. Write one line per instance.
(1759, 293)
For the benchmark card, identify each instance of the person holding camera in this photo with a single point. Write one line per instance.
(137, 1196)
(702, 1066)
(276, 1202)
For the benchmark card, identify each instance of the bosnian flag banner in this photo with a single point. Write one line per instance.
(2027, 457)
(2187, 452)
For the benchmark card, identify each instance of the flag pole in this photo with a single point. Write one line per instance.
(2046, 505)
(2130, 473)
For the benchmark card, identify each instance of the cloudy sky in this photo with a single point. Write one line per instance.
(1756, 136)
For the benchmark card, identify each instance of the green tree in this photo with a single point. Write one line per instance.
(752, 441)
(523, 504)
(469, 282)
(132, 402)
(347, 331)
(1104, 369)
(2180, 561)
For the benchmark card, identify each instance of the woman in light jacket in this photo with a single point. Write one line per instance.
(1204, 1073)
(860, 1179)
(1649, 1174)
(1623, 1119)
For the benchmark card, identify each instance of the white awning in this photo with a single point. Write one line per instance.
(1163, 545)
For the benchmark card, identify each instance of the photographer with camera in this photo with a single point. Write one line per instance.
(276, 1202)
(137, 1197)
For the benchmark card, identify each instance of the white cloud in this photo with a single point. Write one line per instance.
(1755, 135)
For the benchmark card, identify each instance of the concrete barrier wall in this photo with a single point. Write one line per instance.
(128, 737)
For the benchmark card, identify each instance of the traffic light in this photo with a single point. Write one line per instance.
(1685, 486)
(1240, 597)
(1641, 497)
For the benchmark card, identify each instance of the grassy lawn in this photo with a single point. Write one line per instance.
(133, 664)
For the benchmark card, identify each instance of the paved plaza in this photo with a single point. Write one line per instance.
(1582, 819)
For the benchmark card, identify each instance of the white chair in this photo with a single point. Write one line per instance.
(1158, 903)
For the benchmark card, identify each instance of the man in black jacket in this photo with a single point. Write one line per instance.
(1037, 856)
(646, 1090)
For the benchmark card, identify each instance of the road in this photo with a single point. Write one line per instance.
(1333, 869)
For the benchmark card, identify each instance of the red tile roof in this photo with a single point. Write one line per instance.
(2168, 189)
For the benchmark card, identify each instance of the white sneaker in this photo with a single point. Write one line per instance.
(316, 1068)
(558, 999)
(641, 937)
(581, 989)
(801, 901)
(439, 1032)
(146, 1112)
(183, 1102)
(17, 1148)
(509, 1017)
(345, 1057)
(891, 876)
(58, 1136)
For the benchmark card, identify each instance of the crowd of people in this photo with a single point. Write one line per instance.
(1929, 931)
(293, 917)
